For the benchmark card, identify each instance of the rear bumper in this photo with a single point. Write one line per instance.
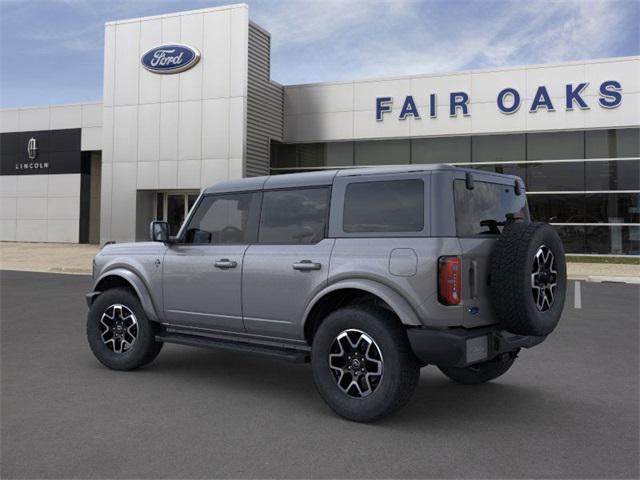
(461, 347)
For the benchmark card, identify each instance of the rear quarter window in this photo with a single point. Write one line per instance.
(384, 206)
(489, 203)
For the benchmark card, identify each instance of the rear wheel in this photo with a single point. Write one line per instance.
(362, 363)
(481, 372)
(119, 333)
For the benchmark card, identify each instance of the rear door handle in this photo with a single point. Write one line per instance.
(225, 263)
(306, 265)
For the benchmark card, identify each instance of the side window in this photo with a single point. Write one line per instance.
(384, 206)
(294, 216)
(223, 219)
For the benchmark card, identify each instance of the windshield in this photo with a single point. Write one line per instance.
(483, 210)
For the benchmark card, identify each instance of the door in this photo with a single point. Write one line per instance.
(202, 271)
(173, 208)
(290, 262)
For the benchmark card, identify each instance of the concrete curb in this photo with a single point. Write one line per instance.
(604, 278)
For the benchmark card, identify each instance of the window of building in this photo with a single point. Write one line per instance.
(612, 143)
(558, 208)
(612, 207)
(294, 216)
(613, 175)
(613, 240)
(478, 211)
(382, 152)
(441, 150)
(224, 219)
(499, 148)
(384, 206)
(283, 155)
(555, 145)
(555, 176)
(309, 155)
(518, 169)
(339, 154)
(573, 238)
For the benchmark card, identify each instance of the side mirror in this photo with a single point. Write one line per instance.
(159, 232)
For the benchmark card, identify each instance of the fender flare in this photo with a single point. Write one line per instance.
(398, 304)
(138, 286)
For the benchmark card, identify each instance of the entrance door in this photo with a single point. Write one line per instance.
(173, 208)
(202, 274)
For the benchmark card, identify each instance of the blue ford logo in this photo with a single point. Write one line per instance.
(172, 58)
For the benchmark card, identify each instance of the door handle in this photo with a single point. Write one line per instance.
(306, 265)
(225, 263)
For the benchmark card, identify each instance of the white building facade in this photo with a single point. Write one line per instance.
(102, 171)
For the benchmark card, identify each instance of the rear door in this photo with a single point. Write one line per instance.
(290, 262)
(479, 213)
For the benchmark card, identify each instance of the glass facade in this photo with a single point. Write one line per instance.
(582, 182)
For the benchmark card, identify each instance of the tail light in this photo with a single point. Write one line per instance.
(449, 280)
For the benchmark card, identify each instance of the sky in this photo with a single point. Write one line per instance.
(51, 51)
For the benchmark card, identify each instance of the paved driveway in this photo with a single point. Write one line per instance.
(568, 408)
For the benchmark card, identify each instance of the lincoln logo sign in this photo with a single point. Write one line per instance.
(32, 154)
(508, 101)
(32, 149)
(172, 58)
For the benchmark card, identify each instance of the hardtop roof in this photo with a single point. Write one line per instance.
(326, 177)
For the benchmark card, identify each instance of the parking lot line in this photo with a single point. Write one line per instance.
(577, 297)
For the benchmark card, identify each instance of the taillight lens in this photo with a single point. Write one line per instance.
(449, 280)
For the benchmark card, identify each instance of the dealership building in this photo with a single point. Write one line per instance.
(188, 101)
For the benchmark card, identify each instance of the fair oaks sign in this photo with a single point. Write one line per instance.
(508, 100)
(173, 58)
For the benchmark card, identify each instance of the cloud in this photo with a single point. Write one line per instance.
(321, 40)
(327, 40)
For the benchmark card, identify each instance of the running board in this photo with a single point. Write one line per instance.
(287, 354)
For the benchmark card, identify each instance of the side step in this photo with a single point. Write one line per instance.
(289, 355)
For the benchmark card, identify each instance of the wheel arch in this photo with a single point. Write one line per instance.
(123, 278)
(355, 291)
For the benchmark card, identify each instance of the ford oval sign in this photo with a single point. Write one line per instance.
(172, 58)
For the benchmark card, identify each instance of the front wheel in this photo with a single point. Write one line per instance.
(362, 363)
(481, 372)
(119, 333)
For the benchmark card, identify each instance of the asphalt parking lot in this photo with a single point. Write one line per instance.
(568, 408)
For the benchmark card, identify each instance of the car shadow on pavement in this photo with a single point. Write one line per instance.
(437, 402)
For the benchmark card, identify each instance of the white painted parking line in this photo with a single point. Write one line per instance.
(577, 297)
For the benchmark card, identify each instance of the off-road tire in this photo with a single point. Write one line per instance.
(481, 372)
(512, 262)
(142, 351)
(400, 369)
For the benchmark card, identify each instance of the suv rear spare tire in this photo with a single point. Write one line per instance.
(528, 278)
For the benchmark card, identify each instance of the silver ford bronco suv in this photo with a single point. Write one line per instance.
(369, 274)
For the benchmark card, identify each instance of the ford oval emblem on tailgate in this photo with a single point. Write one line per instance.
(172, 58)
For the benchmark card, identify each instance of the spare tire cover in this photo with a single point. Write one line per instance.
(528, 278)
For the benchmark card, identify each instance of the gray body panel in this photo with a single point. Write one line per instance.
(274, 294)
(264, 298)
(137, 264)
(197, 293)
(370, 260)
